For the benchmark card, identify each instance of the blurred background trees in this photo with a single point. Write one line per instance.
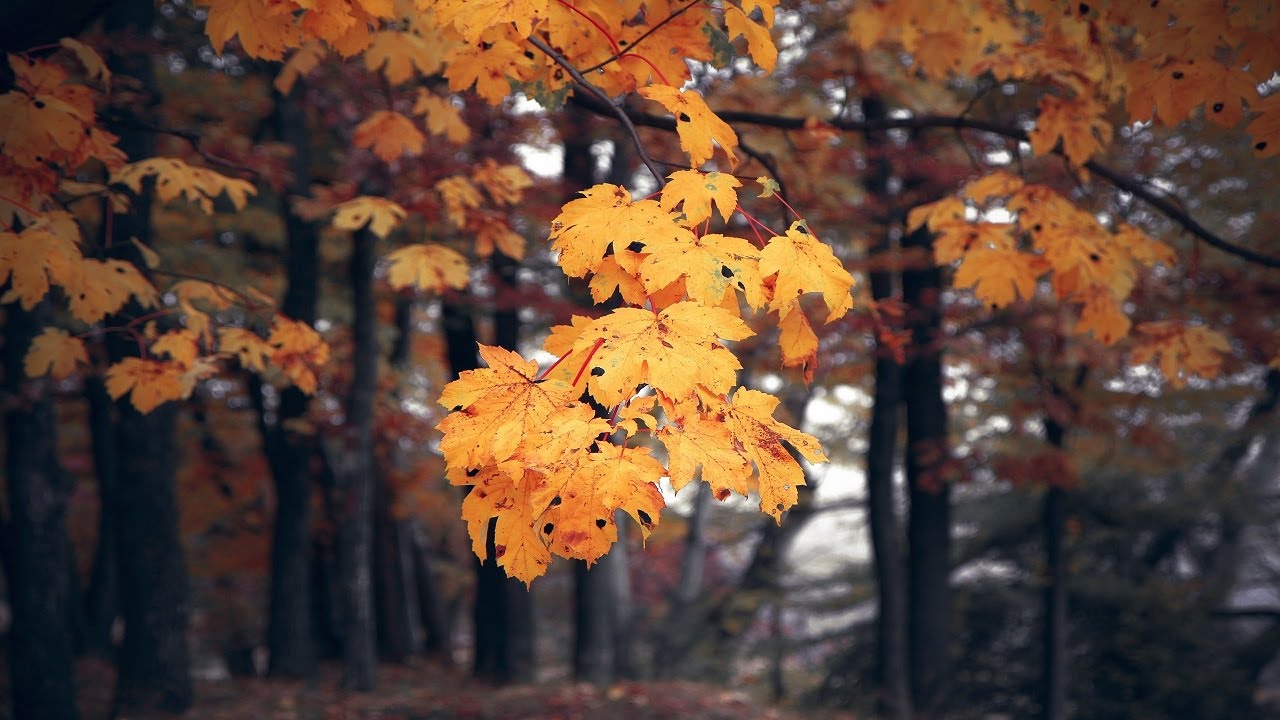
(1017, 520)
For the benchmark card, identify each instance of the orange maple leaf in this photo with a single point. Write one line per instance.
(697, 126)
(429, 267)
(54, 352)
(150, 382)
(389, 135)
(803, 264)
(606, 218)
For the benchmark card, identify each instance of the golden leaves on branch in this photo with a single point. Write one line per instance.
(175, 178)
(698, 128)
(380, 214)
(430, 267)
(1183, 350)
(389, 135)
(56, 353)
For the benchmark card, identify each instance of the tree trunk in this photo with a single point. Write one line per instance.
(681, 620)
(37, 550)
(103, 597)
(892, 674)
(435, 614)
(892, 669)
(1053, 701)
(354, 472)
(593, 622)
(623, 611)
(154, 669)
(290, 640)
(396, 625)
(927, 453)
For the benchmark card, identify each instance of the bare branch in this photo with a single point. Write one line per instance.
(1156, 199)
(605, 102)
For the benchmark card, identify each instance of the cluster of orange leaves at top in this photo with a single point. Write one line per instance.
(533, 450)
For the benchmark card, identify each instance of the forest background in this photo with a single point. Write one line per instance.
(312, 307)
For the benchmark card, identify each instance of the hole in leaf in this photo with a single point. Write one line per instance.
(781, 506)
(1178, 75)
(1084, 9)
(39, 104)
(1217, 107)
(556, 501)
(725, 271)
(1095, 257)
(682, 117)
(472, 472)
(546, 529)
(1261, 146)
(644, 517)
(636, 246)
(600, 523)
(597, 371)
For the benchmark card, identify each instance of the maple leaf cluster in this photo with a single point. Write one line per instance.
(530, 441)
(48, 133)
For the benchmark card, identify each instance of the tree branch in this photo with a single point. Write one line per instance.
(604, 102)
(1157, 200)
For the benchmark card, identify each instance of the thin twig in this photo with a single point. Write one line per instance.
(193, 139)
(600, 96)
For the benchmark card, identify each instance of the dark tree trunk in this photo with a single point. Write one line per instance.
(892, 674)
(1053, 519)
(624, 611)
(593, 622)
(155, 662)
(681, 620)
(892, 668)
(290, 638)
(929, 525)
(1053, 701)
(37, 550)
(354, 471)
(103, 598)
(154, 669)
(399, 635)
(435, 613)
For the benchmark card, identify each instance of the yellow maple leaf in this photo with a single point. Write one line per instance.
(697, 126)
(953, 240)
(34, 128)
(459, 195)
(748, 430)
(430, 267)
(519, 548)
(695, 191)
(759, 43)
(504, 183)
(1000, 276)
(299, 64)
(803, 264)
(250, 349)
(672, 351)
(1184, 350)
(1102, 316)
(473, 17)
(443, 118)
(582, 497)
(494, 408)
(494, 233)
(151, 383)
(104, 286)
(711, 265)
(389, 135)
(992, 185)
(266, 30)
(297, 349)
(182, 346)
(798, 341)
(606, 218)
(398, 54)
(381, 215)
(613, 275)
(487, 66)
(1079, 123)
(54, 352)
(175, 178)
(45, 253)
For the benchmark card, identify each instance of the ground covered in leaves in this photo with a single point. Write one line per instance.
(432, 692)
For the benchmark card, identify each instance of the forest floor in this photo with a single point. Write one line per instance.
(432, 692)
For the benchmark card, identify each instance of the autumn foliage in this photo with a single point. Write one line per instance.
(648, 390)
